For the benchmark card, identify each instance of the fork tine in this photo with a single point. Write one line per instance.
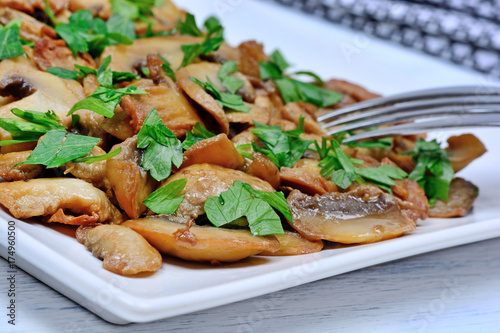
(413, 115)
(456, 121)
(461, 103)
(412, 96)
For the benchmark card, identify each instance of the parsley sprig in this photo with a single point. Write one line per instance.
(84, 33)
(230, 101)
(213, 38)
(241, 200)
(283, 148)
(166, 199)
(30, 127)
(198, 133)
(135, 9)
(103, 75)
(106, 98)
(292, 90)
(433, 170)
(162, 148)
(340, 168)
(11, 45)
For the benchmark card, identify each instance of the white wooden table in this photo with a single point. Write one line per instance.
(453, 290)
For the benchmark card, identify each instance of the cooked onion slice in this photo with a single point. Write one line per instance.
(123, 250)
(52, 197)
(364, 215)
(201, 243)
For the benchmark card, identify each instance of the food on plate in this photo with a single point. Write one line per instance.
(150, 133)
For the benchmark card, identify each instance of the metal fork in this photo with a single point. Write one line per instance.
(430, 109)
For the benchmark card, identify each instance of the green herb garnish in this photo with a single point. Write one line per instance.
(433, 170)
(10, 42)
(162, 148)
(283, 148)
(230, 82)
(58, 147)
(230, 101)
(241, 200)
(292, 90)
(33, 125)
(166, 199)
(198, 133)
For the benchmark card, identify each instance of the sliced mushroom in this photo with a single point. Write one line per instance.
(263, 168)
(293, 112)
(29, 6)
(251, 53)
(364, 215)
(126, 58)
(54, 53)
(464, 149)
(256, 113)
(218, 150)
(31, 29)
(123, 250)
(35, 90)
(305, 176)
(461, 197)
(173, 107)
(355, 91)
(165, 17)
(216, 115)
(94, 173)
(53, 197)
(120, 125)
(9, 172)
(207, 180)
(292, 243)
(100, 8)
(201, 243)
(130, 182)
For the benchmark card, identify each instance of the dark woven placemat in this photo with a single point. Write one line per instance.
(466, 32)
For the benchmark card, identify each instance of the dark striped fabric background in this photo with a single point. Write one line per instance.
(466, 32)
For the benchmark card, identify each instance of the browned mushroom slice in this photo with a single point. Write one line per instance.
(101, 8)
(204, 69)
(218, 150)
(207, 180)
(123, 250)
(293, 112)
(263, 168)
(357, 92)
(165, 17)
(251, 53)
(31, 29)
(173, 107)
(35, 90)
(130, 182)
(464, 149)
(223, 54)
(201, 243)
(126, 58)
(29, 6)
(256, 113)
(53, 197)
(461, 197)
(54, 53)
(94, 173)
(22, 172)
(292, 243)
(364, 215)
(207, 102)
(120, 125)
(305, 176)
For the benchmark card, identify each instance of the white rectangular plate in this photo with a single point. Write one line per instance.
(180, 287)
